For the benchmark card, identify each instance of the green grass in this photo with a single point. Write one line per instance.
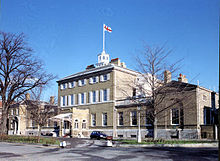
(28, 139)
(161, 141)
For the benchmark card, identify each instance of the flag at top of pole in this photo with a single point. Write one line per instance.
(105, 28)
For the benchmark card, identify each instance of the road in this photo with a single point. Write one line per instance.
(89, 150)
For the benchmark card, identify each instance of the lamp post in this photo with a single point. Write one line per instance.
(139, 124)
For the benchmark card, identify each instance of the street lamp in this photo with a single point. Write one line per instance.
(139, 124)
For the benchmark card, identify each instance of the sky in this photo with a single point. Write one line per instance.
(67, 34)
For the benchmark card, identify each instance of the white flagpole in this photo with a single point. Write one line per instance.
(103, 38)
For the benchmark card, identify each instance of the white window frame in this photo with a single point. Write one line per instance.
(101, 95)
(171, 115)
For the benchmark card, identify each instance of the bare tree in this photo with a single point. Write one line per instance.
(20, 71)
(38, 111)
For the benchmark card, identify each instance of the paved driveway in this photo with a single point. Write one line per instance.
(85, 149)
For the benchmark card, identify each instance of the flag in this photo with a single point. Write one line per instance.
(106, 28)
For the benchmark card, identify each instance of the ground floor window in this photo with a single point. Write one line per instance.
(84, 124)
(104, 119)
(133, 118)
(175, 116)
(76, 124)
(93, 119)
(120, 119)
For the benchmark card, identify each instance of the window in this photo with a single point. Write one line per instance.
(105, 94)
(93, 119)
(204, 97)
(76, 124)
(55, 124)
(82, 82)
(63, 86)
(71, 84)
(134, 92)
(104, 119)
(133, 118)
(71, 99)
(94, 79)
(120, 119)
(84, 124)
(82, 98)
(175, 116)
(148, 118)
(105, 78)
(66, 125)
(63, 101)
(94, 96)
(207, 116)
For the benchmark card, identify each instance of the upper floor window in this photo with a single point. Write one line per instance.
(63, 101)
(105, 94)
(63, 86)
(72, 84)
(105, 77)
(204, 97)
(94, 96)
(82, 98)
(148, 118)
(82, 82)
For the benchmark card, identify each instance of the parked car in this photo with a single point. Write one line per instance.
(98, 135)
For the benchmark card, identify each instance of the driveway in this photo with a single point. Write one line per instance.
(89, 150)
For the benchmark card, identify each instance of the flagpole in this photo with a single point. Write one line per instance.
(103, 37)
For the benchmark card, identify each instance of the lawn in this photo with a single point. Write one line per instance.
(28, 139)
(161, 141)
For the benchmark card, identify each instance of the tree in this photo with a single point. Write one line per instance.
(39, 112)
(20, 72)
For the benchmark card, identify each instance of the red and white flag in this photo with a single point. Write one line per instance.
(106, 28)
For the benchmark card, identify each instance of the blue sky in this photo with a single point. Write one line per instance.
(67, 34)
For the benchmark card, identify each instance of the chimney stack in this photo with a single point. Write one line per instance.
(182, 78)
(27, 96)
(167, 76)
(52, 100)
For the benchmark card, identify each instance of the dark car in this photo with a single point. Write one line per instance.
(98, 135)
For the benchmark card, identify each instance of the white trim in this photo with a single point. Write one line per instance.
(97, 96)
(171, 117)
(85, 98)
(101, 95)
(79, 99)
(101, 78)
(108, 94)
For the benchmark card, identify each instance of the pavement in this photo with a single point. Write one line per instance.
(89, 150)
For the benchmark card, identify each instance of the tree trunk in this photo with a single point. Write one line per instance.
(39, 133)
(4, 129)
(155, 127)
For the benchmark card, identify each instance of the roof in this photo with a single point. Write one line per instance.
(98, 69)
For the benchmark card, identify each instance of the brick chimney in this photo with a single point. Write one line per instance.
(27, 96)
(52, 100)
(167, 76)
(182, 78)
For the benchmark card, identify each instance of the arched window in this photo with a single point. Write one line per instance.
(84, 124)
(76, 124)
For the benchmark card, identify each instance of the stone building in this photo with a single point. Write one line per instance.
(104, 98)
(192, 111)
(20, 121)
(91, 95)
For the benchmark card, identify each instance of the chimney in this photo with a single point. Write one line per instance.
(27, 96)
(52, 100)
(167, 76)
(182, 78)
(123, 65)
(116, 61)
